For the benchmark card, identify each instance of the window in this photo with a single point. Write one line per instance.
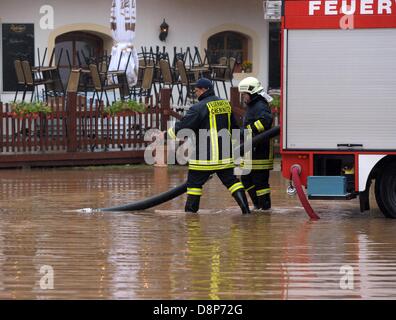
(228, 44)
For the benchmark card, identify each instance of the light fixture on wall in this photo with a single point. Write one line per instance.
(164, 27)
(272, 10)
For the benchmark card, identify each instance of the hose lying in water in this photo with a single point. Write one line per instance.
(151, 202)
(181, 189)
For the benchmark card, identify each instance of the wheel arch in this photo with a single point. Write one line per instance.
(381, 165)
(373, 172)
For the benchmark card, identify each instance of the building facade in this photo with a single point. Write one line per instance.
(221, 25)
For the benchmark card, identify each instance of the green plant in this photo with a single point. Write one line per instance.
(22, 109)
(125, 106)
(275, 104)
(247, 65)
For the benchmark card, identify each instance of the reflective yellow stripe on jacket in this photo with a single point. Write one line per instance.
(259, 126)
(215, 108)
(211, 168)
(267, 164)
(211, 162)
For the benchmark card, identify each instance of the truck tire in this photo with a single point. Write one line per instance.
(385, 191)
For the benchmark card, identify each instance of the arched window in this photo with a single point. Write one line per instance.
(228, 44)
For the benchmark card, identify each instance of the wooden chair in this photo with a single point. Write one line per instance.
(104, 62)
(230, 71)
(223, 72)
(120, 76)
(146, 83)
(21, 82)
(74, 80)
(168, 77)
(185, 81)
(223, 61)
(32, 81)
(100, 84)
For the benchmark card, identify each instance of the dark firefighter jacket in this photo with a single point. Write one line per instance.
(258, 119)
(212, 121)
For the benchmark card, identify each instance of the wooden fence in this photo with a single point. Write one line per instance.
(78, 132)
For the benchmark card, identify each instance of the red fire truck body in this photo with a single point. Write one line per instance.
(338, 106)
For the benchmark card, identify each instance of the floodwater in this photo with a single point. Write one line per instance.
(49, 251)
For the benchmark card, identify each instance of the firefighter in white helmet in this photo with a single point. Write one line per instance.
(258, 119)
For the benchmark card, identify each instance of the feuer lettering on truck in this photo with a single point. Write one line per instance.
(350, 7)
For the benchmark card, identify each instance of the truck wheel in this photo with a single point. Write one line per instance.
(385, 191)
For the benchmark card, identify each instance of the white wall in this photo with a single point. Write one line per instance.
(190, 21)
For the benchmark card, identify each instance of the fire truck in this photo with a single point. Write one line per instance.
(338, 105)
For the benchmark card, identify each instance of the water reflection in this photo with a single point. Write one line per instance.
(164, 254)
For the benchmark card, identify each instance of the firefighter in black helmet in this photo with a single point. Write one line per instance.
(211, 121)
(260, 161)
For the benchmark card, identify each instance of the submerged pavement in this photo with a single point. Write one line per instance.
(48, 250)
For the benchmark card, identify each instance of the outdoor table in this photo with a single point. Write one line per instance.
(43, 69)
(219, 66)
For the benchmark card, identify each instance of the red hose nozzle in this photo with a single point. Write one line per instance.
(296, 166)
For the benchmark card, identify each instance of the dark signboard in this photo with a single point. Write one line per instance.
(274, 78)
(18, 43)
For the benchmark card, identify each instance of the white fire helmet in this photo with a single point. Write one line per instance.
(250, 85)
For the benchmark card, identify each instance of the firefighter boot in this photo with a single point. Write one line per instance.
(192, 204)
(241, 199)
(253, 196)
(264, 202)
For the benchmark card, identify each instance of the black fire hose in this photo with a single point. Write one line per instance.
(271, 133)
(181, 189)
(153, 201)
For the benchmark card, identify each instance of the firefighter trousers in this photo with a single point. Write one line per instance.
(257, 182)
(196, 180)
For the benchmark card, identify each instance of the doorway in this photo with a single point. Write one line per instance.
(74, 49)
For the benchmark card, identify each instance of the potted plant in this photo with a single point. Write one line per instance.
(275, 104)
(29, 110)
(123, 107)
(247, 66)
